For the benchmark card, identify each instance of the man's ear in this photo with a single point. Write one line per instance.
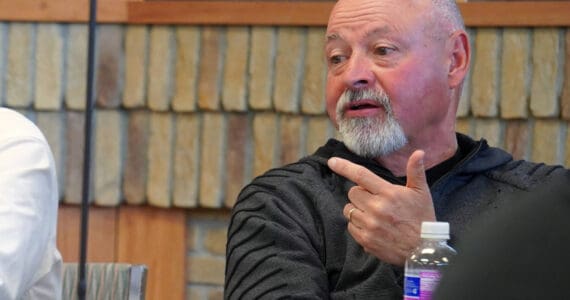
(459, 50)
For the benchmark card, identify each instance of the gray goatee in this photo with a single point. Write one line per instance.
(374, 136)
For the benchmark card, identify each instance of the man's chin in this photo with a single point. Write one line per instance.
(373, 147)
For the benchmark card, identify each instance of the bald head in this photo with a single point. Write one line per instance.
(443, 16)
(448, 15)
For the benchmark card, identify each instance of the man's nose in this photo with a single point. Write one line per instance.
(359, 73)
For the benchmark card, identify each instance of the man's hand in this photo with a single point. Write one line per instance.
(385, 219)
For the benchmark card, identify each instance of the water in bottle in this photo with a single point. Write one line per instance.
(425, 264)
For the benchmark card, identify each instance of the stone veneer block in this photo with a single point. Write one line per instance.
(313, 96)
(136, 162)
(186, 160)
(216, 293)
(136, 55)
(160, 68)
(261, 69)
(76, 66)
(107, 162)
(51, 125)
(291, 138)
(159, 160)
(187, 56)
(319, 130)
(215, 240)
(484, 81)
(196, 292)
(464, 101)
(238, 166)
(206, 269)
(465, 126)
(19, 76)
(3, 42)
(289, 65)
(547, 141)
(210, 68)
(565, 98)
(264, 140)
(235, 69)
(491, 130)
(517, 138)
(109, 65)
(546, 75)
(212, 171)
(49, 67)
(515, 73)
(75, 138)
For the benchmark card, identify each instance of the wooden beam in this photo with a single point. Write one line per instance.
(157, 238)
(230, 13)
(101, 236)
(481, 14)
(279, 13)
(73, 11)
(516, 14)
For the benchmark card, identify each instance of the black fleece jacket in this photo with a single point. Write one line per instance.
(287, 237)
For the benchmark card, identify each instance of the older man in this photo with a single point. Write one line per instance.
(339, 223)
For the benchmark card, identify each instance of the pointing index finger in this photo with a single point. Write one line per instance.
(357, 174)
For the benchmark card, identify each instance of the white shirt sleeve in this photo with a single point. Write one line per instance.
(29, 260)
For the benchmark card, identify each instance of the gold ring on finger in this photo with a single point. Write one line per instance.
(350, 214)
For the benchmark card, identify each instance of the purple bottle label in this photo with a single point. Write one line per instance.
(421, 287)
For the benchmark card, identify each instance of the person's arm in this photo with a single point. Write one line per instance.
(274, 248)
(28, 190)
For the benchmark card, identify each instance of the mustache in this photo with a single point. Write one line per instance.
(376, 95)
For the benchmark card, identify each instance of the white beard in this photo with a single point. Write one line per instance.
(370, 137)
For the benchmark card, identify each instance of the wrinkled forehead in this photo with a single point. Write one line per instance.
(346, 10)
(402, 6)
(355, 12)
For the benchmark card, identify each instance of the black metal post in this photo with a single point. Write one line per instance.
(82, 284)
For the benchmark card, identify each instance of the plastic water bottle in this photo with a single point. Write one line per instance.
(425, 264)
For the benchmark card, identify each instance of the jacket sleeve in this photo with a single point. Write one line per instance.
(274, 248)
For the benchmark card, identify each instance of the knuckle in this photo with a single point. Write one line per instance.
(360, 174)
(373, 225)
(364, 238)
(353, 190)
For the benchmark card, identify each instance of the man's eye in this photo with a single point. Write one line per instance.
(383, 50)
(336, 59)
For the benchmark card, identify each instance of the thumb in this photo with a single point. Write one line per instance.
(415, 171)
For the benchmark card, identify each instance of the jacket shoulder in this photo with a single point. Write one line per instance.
(526, 175)
(309, 175)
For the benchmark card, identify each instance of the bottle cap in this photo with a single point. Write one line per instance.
(435, 230)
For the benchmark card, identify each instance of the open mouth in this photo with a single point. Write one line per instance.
(362, 104)
(362, 108)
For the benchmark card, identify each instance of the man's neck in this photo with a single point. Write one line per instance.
(435, 153)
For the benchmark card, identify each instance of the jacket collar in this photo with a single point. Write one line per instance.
(480, 157)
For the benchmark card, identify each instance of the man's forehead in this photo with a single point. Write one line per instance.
(405, 3)
(355, 15)
(377, 31)
(377, 6)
